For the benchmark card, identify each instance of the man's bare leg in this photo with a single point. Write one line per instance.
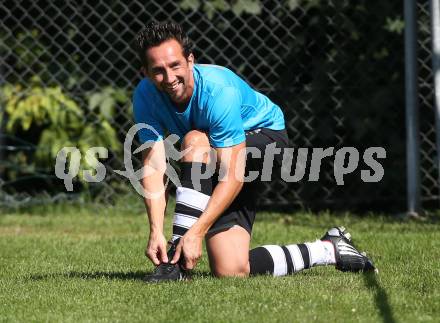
(228, 252)
(229, 255)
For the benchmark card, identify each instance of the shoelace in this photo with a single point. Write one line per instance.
(164, 268)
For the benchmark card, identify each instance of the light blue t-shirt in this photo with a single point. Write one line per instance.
(222, 104)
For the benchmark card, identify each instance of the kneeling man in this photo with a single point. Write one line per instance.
(218, 116)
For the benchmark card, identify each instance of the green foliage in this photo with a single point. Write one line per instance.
(304, 4)
(238, 7)
(60, 121)
(105, 101)
(39, 106)
(395, 25)
(31, 50)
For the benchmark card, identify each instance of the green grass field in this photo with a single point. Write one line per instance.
(72, 264)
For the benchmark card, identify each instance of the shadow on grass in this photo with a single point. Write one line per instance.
(380, 297)
(131, 275)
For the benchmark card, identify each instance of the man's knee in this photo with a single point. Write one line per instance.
(198, 146)
(231, 270)
(195, 138)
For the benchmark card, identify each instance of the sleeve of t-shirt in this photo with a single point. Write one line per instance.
(225, 124)
(148, 127)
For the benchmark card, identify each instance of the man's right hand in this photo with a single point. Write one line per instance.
(156, 249)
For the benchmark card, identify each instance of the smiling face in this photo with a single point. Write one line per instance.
(170, 71)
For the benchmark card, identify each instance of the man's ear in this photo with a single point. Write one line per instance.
(190, 60)
(144, 71)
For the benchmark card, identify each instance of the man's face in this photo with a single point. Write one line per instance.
(171, 71)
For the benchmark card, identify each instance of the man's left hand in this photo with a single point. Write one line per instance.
(190, 245)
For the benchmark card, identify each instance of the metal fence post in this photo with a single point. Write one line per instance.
(435, 32)
(411, 108)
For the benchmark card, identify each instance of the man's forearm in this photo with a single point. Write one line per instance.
(154, 186)
(155, 211)
(155, 206)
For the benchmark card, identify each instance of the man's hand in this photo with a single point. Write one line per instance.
(191, 247)
(156, 249)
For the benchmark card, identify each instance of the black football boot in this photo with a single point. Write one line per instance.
(348, 258)
(167, 271)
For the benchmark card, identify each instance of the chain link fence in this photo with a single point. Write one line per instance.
(335, 67)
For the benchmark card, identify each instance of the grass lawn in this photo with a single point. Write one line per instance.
(71, 264)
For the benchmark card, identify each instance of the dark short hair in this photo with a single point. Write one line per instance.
(155, 33)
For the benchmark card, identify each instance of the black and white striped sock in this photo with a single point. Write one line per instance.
(190, 203)
(285, 260)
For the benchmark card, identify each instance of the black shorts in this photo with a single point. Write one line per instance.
(242, 211)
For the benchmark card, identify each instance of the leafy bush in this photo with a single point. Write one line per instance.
(54, 120)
